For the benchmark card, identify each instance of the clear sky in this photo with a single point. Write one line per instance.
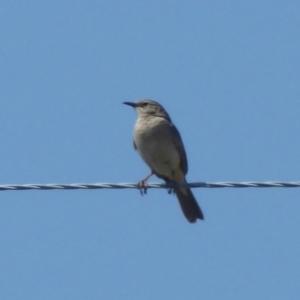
(228, 73)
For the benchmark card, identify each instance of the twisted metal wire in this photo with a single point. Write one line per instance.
(86, 186)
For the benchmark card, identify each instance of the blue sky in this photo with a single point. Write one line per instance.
(228, 74)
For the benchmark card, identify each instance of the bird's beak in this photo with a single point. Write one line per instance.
(130, 104)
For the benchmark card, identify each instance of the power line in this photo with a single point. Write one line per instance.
(87, 186)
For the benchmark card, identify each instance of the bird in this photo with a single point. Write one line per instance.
(159, 143)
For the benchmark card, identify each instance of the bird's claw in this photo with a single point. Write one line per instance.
(143, 186)
(170, 189)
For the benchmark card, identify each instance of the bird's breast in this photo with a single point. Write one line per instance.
(155, 144)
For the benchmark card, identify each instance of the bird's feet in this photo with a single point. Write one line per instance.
(143, 186)
(170, 190)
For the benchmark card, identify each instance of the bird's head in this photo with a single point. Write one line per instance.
(148, 108)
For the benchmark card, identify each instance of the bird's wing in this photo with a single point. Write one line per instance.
(134, 145)
(180, 147)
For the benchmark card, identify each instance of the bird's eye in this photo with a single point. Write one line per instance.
(145, 104)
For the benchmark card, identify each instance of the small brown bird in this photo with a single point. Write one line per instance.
(159, 143)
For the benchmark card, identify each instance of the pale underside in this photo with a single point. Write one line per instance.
(163, 152)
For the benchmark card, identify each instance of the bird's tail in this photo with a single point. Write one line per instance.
(188, 204)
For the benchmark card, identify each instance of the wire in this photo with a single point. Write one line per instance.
(86, 186)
